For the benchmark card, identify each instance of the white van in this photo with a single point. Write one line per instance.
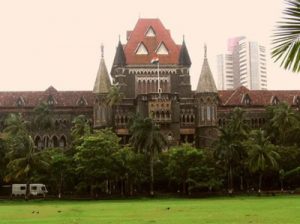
(34, 189)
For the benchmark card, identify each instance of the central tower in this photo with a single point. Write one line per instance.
(152, 90)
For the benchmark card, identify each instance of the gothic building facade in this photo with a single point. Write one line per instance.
(161, 91)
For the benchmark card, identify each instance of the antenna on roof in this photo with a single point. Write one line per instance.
(183, 37)
(102, 50)
(205, 50)
(119, 38)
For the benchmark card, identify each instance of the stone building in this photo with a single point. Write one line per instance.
(161, 91)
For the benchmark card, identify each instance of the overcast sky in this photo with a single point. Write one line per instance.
(57, 42)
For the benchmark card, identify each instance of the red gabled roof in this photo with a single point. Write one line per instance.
(138, 35)
(34, 98)
(258, 97)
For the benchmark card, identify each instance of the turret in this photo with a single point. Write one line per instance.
(206, 98)
(102, 112)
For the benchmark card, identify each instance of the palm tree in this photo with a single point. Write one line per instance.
(43, 119)
(22, 166)
(284, 122)
(286, 39)
(81, 127)
(262, 154)
(146, 137)
(15, 125)
(114, 96)
(227, 150)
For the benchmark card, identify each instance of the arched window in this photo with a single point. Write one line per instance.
(208, 113)
(38, 142)
(62, 142)
(55, 141)
(202, 113)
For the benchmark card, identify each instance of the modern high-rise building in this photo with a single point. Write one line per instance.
(244, 64)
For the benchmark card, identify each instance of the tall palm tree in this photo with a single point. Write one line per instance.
(22, 166)
(286, 39)
(114, 96)
(15, 125)
(146, 137)
(284, 122)
(262, 154)
(227, 150)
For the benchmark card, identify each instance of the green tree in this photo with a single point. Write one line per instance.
(25, 163)
(283, 124)
(147, 138)
(114, 96)
(94, 159)
(43, 117)
(262, 154)
(60, 168)
(229, 147)
(129, 167)
(15, 125)
(2, 155)
(286, 40)
(181, 160)
(80, 128)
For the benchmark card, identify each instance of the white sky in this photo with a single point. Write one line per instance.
(57, 42)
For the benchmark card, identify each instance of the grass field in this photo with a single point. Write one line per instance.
(278, 209)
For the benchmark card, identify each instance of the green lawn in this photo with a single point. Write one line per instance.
(278, 209)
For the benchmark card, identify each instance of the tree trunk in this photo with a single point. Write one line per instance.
(27, 191)
(259, 183)
(151, 176)
(241, 183)
(122, 187)
(60, 185)
(230, 180)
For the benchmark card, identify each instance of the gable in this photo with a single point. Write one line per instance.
(140, 34)
(141, 49)
(162, 49)
(150, 32)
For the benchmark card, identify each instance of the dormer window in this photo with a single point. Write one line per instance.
(162, 49)
(274, 100)
(20, 102)
(51, 100)
(82, 101)
(141, 49)
(246, 100)
(150, 32)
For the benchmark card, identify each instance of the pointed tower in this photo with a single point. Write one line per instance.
(206, 98)
(102, 112)
(117, 67)
(184, 57)
(185, 63)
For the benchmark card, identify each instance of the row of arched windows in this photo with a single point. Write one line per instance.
(42, 142)
(161, 115)
(121, 119)
(254, 122)
(151, 86)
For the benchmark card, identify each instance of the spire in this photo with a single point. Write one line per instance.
(184, 58)
(102, 83)
(206, 81)
(119, 59)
